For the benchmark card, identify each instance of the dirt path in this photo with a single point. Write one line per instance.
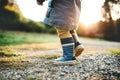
(91, 47)
(93, 65)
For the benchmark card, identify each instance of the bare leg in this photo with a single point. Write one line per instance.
(74, 35)
(78, 46)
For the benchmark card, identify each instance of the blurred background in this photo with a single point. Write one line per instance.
(99, 19)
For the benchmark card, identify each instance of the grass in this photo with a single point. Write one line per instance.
(49, 56)
(115, 51)
(12, 41)
(10, 59)
(15, 37)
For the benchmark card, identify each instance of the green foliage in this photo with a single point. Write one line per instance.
(11, 18)
(7, 52)
(115, 51)
(110, 30)
(7, 38)
(49, 56)
(118, 27)
(15, 37)
(103, 30)
(7, 17)
(3, 3)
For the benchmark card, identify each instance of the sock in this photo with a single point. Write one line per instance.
(67, 45)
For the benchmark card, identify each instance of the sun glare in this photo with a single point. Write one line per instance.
(31, 10)
(114, 14)
(90, 12)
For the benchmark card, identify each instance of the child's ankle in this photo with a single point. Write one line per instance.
(77, 43)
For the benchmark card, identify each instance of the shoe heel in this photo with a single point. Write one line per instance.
(78, 50)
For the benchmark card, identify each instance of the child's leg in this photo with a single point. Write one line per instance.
(63, 33)
(75, 36)
(67, 43)
(78, 46)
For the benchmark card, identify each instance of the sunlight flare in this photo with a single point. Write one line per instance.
(91, 11)
(31, 10)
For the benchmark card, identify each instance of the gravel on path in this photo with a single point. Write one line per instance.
(93, 64)
(89, 67)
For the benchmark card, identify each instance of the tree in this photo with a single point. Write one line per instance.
(111, 26)
(107, 7)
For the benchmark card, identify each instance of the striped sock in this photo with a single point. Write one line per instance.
(67, 45)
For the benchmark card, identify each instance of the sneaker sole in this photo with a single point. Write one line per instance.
(70, 63)
(78, 50)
